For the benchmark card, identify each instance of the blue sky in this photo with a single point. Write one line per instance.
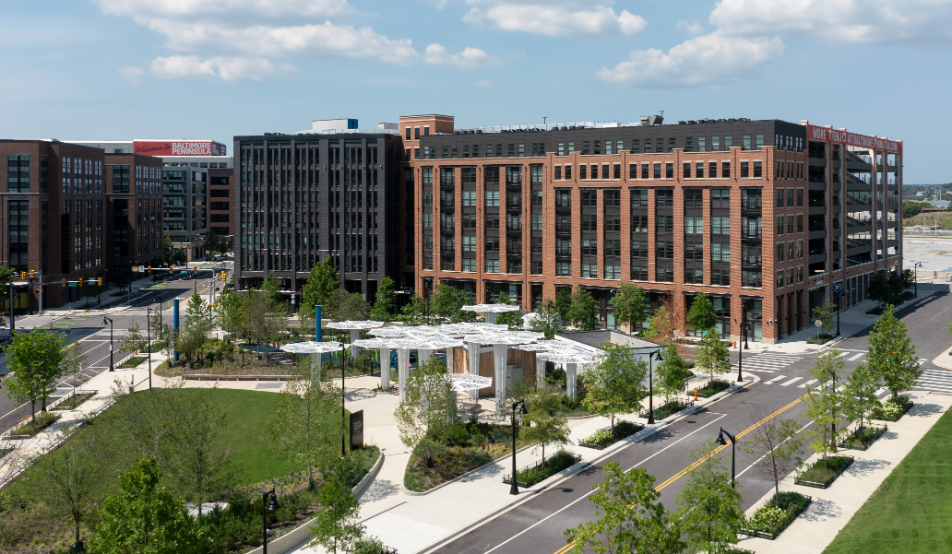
(123, 69)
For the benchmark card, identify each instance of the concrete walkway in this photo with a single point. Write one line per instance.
(832, 508)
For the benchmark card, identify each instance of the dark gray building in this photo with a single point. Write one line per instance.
(303, 197)
(183, 209)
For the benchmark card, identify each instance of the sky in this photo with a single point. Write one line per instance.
(213, 69)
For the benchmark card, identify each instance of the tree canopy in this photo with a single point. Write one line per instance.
(615, 383)
(891, 354)
(35, 358)
(630, 304)
(583, 313)
(322, 282)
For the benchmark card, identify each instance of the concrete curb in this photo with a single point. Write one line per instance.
(293, 538)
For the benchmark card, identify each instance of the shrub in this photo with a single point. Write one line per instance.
(767, 519)
(790, 500)
(626, 428)
(892, 409)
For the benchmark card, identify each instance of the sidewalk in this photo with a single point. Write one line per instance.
(832, 508)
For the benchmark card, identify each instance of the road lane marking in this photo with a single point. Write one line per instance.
(808, 383)
(855, 357)
(775, 379)
(790, 382)
(686, 470)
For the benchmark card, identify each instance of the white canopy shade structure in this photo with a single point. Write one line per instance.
(355, 327)
(315, 349)
(383, 346)
(571, 359)
(465, 382)
(490, 310)
(501, 341)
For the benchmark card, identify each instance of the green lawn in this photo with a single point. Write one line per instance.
(911, 510)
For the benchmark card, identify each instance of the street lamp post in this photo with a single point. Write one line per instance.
(514, 489)
(343, 425)
(106, 320)
(746, 328)
(651, 357)
(720, 441)
(148, 340)
(915, 274)
(266, 507)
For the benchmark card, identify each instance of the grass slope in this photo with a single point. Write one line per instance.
(911, 510)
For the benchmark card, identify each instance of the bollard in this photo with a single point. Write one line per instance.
(695, 395)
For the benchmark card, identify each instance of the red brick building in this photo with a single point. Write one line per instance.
(763, 216)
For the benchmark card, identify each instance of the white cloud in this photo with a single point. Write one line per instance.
(220, 8)
(227, 68)
(692, 28)
(881, 21)
(556, 20)
(483, 84)
(132, 74)
(708, 59)
(470, 57)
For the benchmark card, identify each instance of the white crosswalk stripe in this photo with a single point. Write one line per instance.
(809, 383)
(767, 362)
(855, 357)
(790, 382)
(938, 380)
(775, 379)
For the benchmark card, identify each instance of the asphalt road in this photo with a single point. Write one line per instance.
(537, 524)
(93, 336)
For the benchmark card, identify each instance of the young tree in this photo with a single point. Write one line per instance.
(824, 403)
(512, 319)
(826, 314)
(413, 312)
(263, 316)
(664, 326)
(584, 313)
(447, 302)
(304, 425)
(213, 242)
(428, 408)
(168, 253)
(71, 478)
(385, 301)
(631, 517)
(35, 359)
(891, 354)
(860, 394)
(615, 383)
(144, 517)
(548, 321)
(335, 525)
(352, 307)
(630, 305)
(563, 302)
(201, 466)
(271, 286)
(198, 325)
(134, 340)
(709, 508)
(229, 312)
(164, 333)
(321, 283)
(73, 364)
(777, 441)
(701, 315)
(712, 355)
(543, 424)
(879, 288)
(670, 373)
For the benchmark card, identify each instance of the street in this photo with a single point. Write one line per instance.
(538, 523)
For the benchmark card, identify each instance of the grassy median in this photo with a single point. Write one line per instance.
(911, 510)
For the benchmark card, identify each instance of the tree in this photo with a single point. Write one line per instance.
(777, 441)
(230, 312)
(891, 354)
(90, 290)
(163, 333)
(198, 325)
(543, 424)
(879, 288)
(335, 524)
(702, 315)
(35, 359)
(631, 517)
(584, 313)
(344, 306)
(615, 382)
(663, 327)
(511, 319)
(447, 301)
(671, 372)
(712, 354)
(120, 277)
(911, 209)
(134, 340)
(303, 427)
(201, 467)
(860, 393)
(563, 302)
(385, 301)
(74, 361)
(213, 242)
(824, 403)
(630, 304)
(168, 254)
(263, 316)
(428, 408)
(70, 478)
(414, 311)
(6, 275)
(271, 286)
(322, 281)
(826, 314)
(709, 508)
(548, 321)
(146, 518)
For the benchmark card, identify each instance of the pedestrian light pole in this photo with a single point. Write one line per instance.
(656, 355)
(148, 340)
(721, 442)
(106, 320)
(521, 405)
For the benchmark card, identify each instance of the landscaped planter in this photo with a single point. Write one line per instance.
(667, 410)
(73, 401)
(603, 438)
(711, 389)
(28, 429)
(821, 476)
(863, 438)
(792, 504)
(538, 472)
(893, 409)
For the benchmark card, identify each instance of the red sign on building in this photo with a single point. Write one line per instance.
(179, 148)
(825, 134)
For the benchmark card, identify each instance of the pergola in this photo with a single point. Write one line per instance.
(355, 327)
(571, 358)
(490, 310)
(315, 349)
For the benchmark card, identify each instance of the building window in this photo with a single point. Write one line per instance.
(758, 170)
(639, 198)
(536, 267)
(799, 223)
(779, 249)
(492, 266)
(469, 243)
(721, 198)
(590, 271)
(664, 274)
(720, 225)
(694, 225)
(664, 224)
(799, 197)
(694, 251)
(744, 170)
(657, 171)
(669, 171)
(589, 222)
(639, 224)
(469, 264)
(589, 248)
(613, 272)
(664, 250)
(694, 275)
(720, 277)
(612, 223)
(469, 198)
(639, 249)
(492, 198)
(751, 278)
(699, 170)
(686, 170)
(725, 170)
(563, 269)
(612, 247)
(639, 273)
(720, 252)
(18, 174)
(799, 249)
(664, 198)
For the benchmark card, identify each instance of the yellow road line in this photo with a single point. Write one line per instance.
(688, 469)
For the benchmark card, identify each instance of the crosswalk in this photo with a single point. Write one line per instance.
(781, 380)
(767, 362)
(939, 380)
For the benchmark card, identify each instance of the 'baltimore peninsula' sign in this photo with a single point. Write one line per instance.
(179, 148)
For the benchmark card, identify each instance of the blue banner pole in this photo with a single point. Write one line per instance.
(317, 323)
(175, 323)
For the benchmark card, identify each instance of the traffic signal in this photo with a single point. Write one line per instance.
(32, 273)
(150, 270)
(80, 281)
(63, 281)
(99, 281)
(23, 275)
(196, 269)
